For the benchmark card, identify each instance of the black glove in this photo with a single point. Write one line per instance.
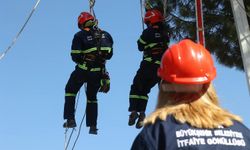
(105, 83)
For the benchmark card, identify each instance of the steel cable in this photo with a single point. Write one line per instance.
(21, 30)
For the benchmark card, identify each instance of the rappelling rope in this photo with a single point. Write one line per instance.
(66, 142)
(142, 14)
(91, 10)
(165, 9)
(79, 130)
(91, 7)
(21, 30)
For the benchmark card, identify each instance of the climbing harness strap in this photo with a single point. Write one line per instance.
(84, 67)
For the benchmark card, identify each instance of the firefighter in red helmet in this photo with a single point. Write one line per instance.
(90, 49)
(188, 115)
(153, 42)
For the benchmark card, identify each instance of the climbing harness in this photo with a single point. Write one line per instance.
(21, 30)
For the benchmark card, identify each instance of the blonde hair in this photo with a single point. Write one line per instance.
(204, 112)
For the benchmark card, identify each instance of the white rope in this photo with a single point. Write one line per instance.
(164, 9)
(67, 141)
(142, 14)
(21, 30)
(91, 10)
(91, 6)
(80, 127)
(79, 131)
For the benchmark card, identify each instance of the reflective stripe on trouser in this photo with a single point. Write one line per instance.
(75, 82)
(91, 113)
(145, 79)
(138, 103)
(69, 105)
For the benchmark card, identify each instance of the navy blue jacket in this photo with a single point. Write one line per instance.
(153, 42)
(172, 135)
(87, 43)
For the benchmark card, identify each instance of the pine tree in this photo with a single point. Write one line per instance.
(220, 32)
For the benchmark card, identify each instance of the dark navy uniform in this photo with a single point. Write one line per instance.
(89, 50)
(153, 42)
(171, 135)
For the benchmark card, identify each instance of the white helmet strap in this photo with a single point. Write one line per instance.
(181, 88)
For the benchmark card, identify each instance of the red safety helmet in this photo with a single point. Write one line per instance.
(187, 63)
(83, 18)
(153, 16)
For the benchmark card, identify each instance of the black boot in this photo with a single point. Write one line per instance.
(132, 118)
(139, 123)
(93, 130)
(70, 123)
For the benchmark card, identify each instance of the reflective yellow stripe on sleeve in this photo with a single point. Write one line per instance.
(70, 94)
(150, 45)
(141, 41)
(89, 50)
(149, 59)
(106, 49)
(158, 62)
(95, 69)
(83, 66)
(75, 51)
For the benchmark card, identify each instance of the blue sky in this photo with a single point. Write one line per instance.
(36, 69)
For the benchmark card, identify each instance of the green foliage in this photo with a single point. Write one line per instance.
(220, 32)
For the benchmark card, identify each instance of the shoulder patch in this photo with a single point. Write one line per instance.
(89, 38)
(157, 35)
